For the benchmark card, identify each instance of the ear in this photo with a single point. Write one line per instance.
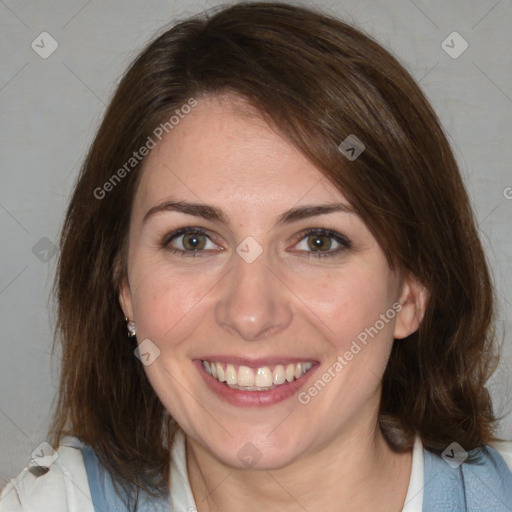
(120, 282)
(125, 299)
(413, 298)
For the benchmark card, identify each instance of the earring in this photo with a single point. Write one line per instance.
(130, 325)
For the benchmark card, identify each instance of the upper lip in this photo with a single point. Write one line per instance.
(258, 362)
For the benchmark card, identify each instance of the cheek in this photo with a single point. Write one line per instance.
(166, 300)
(349, 301)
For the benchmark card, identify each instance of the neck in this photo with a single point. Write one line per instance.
(355, 471)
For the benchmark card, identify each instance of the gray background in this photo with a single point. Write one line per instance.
(50, 109)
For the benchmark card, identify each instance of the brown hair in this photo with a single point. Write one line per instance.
(317, 80)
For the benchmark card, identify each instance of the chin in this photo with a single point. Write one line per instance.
(257, 451)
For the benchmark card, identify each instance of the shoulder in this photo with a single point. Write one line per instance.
(480, 479)
(504, 448)
(56, 478)
(70, 479)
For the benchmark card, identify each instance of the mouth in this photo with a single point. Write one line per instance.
(255, 383)
(262, 378)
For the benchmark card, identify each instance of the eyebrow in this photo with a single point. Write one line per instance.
(217, 215)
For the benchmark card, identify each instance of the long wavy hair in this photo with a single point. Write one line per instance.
(317, 80)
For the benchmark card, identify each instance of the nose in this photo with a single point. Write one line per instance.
(253, 303)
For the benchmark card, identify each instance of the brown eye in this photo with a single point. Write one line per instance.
(189, 241)
(319, 242)
(194, 241)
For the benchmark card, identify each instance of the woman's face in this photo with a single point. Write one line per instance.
(276, 282)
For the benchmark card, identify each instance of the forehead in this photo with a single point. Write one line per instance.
(223, 150)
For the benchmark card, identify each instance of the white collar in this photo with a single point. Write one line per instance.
(183, 499)
(181, 493)
(414, 496)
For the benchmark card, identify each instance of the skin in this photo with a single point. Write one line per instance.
(326, 455)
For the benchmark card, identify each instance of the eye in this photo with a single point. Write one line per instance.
(322, 242)
(189, 240)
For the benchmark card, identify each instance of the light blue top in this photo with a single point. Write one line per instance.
(484, 485)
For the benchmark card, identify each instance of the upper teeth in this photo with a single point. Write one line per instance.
(255, 378)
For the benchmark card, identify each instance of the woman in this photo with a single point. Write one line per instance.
(272, 213)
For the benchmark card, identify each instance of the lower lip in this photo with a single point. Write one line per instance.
(242, 398)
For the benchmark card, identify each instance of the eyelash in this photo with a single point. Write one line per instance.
(343, 241)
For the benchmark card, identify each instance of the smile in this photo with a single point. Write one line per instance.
(263, 378)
